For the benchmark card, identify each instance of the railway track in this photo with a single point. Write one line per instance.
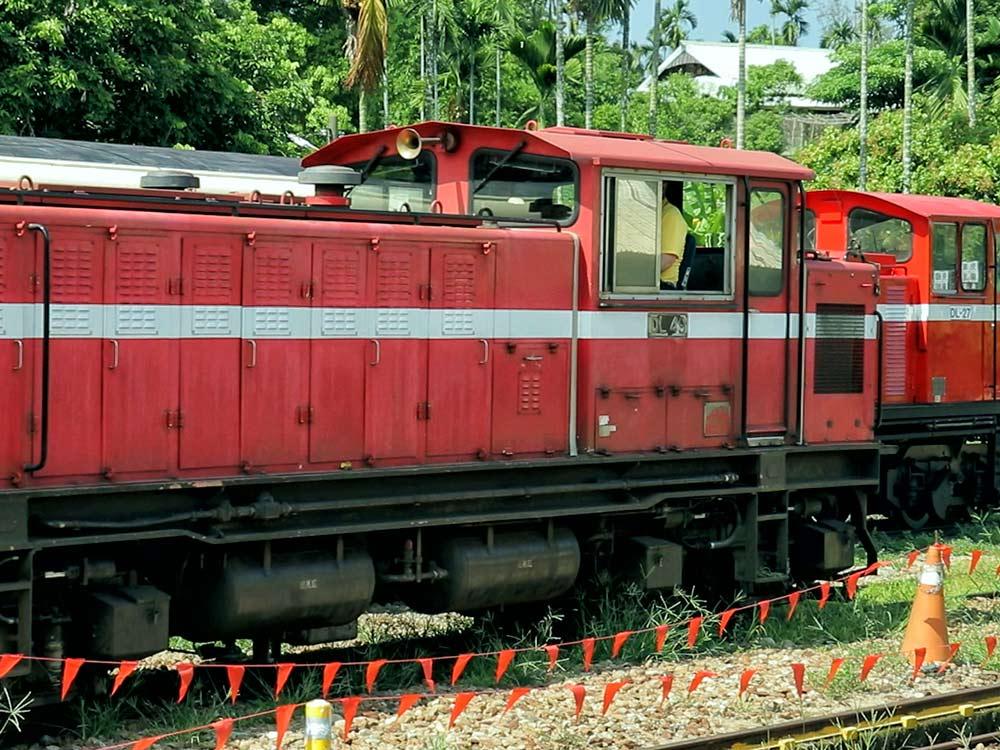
(853, 725)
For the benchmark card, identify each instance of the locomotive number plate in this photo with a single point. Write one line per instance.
(960, 313)
(667, 325)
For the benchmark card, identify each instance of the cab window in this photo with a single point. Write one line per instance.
(395, 184)
(512, 185)
(767, 241)
(974, 257)
(874, 232)
(944, 257)
(667, 236)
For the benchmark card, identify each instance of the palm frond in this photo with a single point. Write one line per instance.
(372, 41)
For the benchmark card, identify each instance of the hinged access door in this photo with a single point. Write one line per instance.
(275, 408)
(396, 380)
(141, 325)
(771, 342)
(17, 345)
(460, 367)
(210, 290)
(340, 343)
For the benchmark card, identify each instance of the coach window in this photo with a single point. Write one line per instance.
(767, 241)
(513, 185)
(639, 232)
(944, 255)
(874, 232)
(395, 184)
(973, 257)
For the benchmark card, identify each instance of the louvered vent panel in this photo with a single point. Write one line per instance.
(272, 276)
(341, 278)
(840, 349)
(213, 274)
(530, 391)
(459, 280)
(138, 272)
(3, 267)
(393, 283)
(894, 342)
(73, 270)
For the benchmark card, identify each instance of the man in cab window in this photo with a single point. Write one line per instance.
(673, 236)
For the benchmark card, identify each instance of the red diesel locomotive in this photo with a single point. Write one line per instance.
(450, 376)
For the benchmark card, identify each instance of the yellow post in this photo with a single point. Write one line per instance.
(319, 730)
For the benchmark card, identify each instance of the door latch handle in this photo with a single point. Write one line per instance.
(115, 351)
(253, 353)
(378, 352)
(20, 355)
(486, 351)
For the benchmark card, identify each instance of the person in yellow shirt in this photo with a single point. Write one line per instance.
(673, 235)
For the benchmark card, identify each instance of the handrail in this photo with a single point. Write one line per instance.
(46, 345)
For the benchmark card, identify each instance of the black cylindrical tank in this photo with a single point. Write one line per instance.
(519, 566)
(237, 597)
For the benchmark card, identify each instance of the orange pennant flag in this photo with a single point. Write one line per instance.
(579, 693)
(460, 662)
(693, 627)
(724, 619)
(610, 691)
(145, 743)
(186, 674)
(912, 558)
(235, 674)
(284, 670)
(799, 674)
(793, 603)
(698, 678)
(282, 718)
(977, 555)
(515, 695)
(998, 570)
(824, 593)
(952, 650)
(406, 702)
(70, 669)
(618, 642)
(991, 645)
(553, 652)
(919, 654)
(427, 667)
(946, 556)
(504, 659)
(371, 673)
(8, 662)
(587, 644)
(765, 608)
(461, 701)
(745, 680)
(223, 729)
(852, 583)
(869, 664)
(125, 669)
(661, 636)
(835, 666)
(329, 675)
(350, 711)
(667, 681)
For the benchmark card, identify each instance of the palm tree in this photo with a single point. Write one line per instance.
(474, 22)
(537, 52)
(970, 58)
(654, 68)
(367, 41)
(796, 25)
(839, 34)
(504, 19)
(625, 16)
(590, 12)
(908, 95)
(863, 117)
(678, 21)
(557, 10)
(739, 12)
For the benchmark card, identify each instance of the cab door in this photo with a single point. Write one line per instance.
(16, 347)
(770, 341)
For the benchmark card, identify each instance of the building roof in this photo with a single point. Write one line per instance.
(926, 206)
(716, 64)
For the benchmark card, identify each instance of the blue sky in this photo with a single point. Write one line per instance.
(713, 19)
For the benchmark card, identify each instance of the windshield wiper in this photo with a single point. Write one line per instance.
(372, 163)
(500, 165)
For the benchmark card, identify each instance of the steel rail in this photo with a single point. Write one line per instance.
(849, 725)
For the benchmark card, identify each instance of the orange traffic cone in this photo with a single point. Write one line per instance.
(928, 624)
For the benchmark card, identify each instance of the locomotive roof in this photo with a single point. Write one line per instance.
(587, 146)
(926, 206)
(59, 149)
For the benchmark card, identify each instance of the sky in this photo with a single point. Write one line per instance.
(713, 19)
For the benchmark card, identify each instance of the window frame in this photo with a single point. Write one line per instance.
(787, 233)
(606, 290)
(574, 167)
(932, 224)
(913, 236)
(986, 256)
(358, 166)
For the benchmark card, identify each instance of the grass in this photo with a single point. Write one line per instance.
(874, 620)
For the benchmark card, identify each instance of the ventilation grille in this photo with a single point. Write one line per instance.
(840, 349)
(894, 342)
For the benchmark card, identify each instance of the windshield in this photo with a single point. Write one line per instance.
(872, 232)
(396, 184)
(523, 186)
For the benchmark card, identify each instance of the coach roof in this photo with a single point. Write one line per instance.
(925, 206)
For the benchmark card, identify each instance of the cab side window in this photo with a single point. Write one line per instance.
(973, 257)
(667, 236)
(767, 241)
(944, 257)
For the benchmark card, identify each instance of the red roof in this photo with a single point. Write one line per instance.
(927, 206)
